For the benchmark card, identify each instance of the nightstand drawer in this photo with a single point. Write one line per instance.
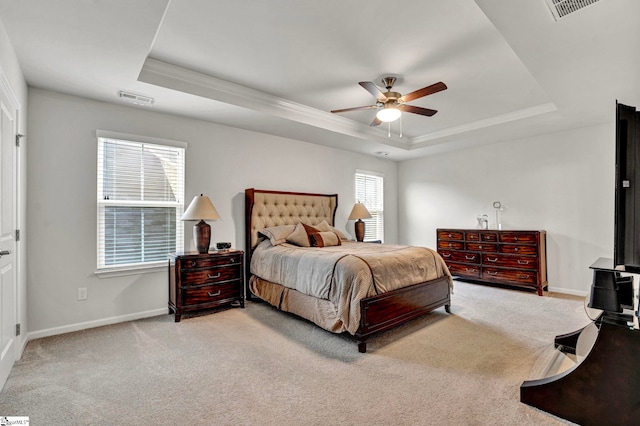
(210, 293)
(192, 277)
(210, 262)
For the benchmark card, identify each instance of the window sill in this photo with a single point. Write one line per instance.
(130, 270)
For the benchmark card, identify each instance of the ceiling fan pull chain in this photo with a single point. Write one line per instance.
(401, 127)
(389, 135)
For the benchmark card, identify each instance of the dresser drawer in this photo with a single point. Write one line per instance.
(510, 261)
(489, 237)
(518, 237)
(210, 262)
(451, 235)
(518, 249)
(472, 236)
(489, 248)
(522, 277)
(454, 245)
(192, 277)
(471, 271)
(210, 293)
(460, 256)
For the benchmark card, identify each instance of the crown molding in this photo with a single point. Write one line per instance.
(174, 77)
(423, 141)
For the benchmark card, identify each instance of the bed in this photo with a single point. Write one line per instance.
(297, 261)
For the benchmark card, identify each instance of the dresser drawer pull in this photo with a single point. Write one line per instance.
(515, 238)
(213, 277)
(450, 245)
(450, 235)
(446, 254)
(492, 273)
(523, 262)
(217, 293)
(523, 277)
(193, 263)
(470, 257)
(492, 260)
(470, 270)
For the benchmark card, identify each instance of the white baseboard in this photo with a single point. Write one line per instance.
(570, 291)
(92, 324)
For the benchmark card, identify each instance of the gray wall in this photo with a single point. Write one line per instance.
(562, 183)
(220, 162)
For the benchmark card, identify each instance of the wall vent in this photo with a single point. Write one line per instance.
(562, 8)
(135, 99)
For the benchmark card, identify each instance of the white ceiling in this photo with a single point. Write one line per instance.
(280, 66)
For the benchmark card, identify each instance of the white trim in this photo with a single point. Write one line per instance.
(421, 141)
(570, 291)
(96, 323)
(131, 270)
(137, 138)
(185, 80)
(6, 86)
(369, 172)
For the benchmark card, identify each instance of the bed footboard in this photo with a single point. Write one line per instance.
(388, 310)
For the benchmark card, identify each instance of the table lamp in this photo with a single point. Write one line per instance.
(201, 209)
(359, 212)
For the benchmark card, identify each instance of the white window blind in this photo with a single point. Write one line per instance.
(370, 192)
(140, 201)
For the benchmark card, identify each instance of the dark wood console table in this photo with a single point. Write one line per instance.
(601, 389)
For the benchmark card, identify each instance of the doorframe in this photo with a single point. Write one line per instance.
(21, 340)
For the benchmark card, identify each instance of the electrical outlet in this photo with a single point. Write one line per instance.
(82, 293)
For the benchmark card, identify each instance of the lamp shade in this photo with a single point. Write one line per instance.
(200, 208)
(359, 211)
(388, 113)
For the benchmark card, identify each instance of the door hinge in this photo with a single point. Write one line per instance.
(18, 137)
(17, 235)
(17, 329)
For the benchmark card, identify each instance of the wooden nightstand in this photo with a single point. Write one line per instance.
(203, 281)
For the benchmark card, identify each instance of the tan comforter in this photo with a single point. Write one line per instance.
(343, 275)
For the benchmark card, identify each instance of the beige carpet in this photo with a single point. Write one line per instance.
(258, 366)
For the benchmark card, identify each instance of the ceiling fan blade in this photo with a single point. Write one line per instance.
(376, 122)
(418, 110)
(373, 89)
(355, 108)
(434, 88)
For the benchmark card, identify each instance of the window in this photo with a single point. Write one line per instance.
(140, 201)
(369, 191)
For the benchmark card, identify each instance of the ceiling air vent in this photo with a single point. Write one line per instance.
(562, 8)
(135, 99)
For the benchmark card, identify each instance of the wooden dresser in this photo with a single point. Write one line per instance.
(510, 257)
(203, 281)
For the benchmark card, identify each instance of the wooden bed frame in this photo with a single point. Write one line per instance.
(378, 313)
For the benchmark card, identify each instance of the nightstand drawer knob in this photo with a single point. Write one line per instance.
(217, 293)
(213, 277)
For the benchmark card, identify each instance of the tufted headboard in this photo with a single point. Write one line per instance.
(265, 208)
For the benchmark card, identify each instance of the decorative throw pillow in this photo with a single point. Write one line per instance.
(300, 235)
(278, 234)
(324, 239)
(325, 227)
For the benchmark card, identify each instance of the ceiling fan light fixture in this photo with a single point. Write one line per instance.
(388, 114)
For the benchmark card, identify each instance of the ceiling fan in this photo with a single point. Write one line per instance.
(390, 104)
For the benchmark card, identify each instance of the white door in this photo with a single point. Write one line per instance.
(8, 221)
